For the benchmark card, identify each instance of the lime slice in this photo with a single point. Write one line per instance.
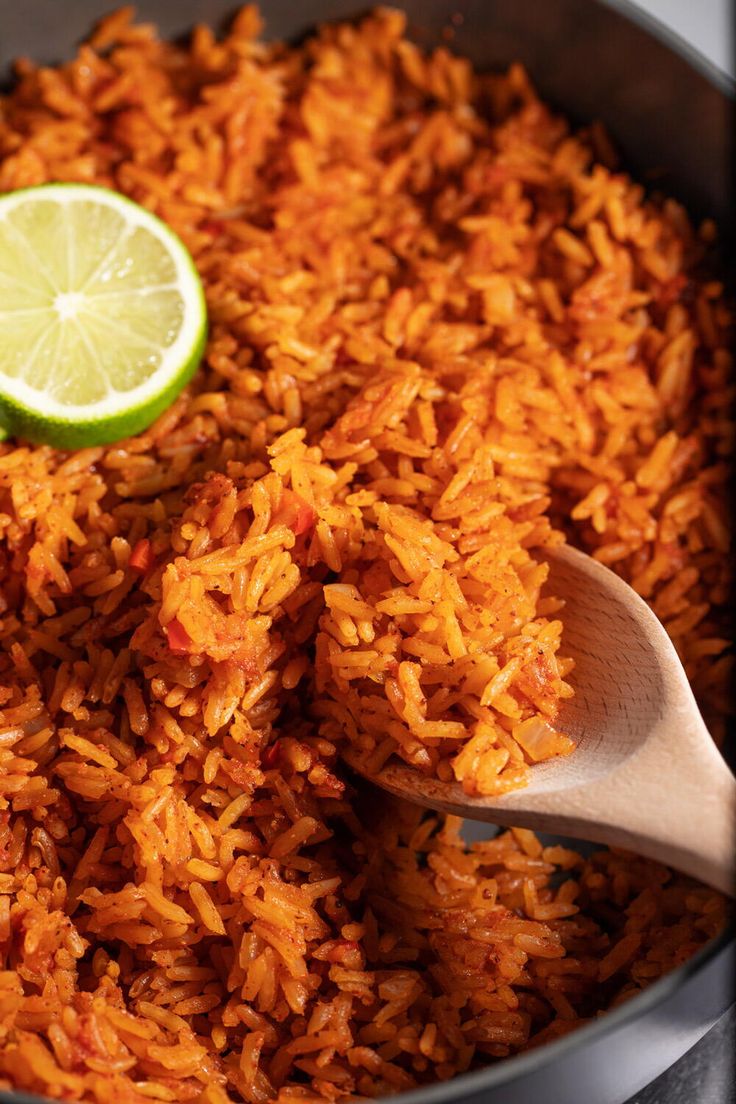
(102, 315)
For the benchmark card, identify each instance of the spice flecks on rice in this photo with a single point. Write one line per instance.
(444, 332)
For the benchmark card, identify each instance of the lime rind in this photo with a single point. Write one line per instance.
(21, 422)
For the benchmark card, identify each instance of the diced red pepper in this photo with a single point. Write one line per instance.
(142, 558)
(305, 519)
(179, 639)
(211, 226)
(296, 513)
(271, 755)
(671, 290)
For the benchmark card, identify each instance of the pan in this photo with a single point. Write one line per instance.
(671, 116)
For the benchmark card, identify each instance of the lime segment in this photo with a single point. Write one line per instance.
(102, 315)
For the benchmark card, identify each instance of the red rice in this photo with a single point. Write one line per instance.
(442, 336)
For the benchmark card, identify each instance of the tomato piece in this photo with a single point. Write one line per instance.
(296, 513)
(179, 639)
(142, 558)
(211, 226)
(305, 519)
(271, 755)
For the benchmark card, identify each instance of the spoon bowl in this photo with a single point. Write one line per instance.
(645, 774)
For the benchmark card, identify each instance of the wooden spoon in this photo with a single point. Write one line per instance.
(645, 774)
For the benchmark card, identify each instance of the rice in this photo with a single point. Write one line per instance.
(445, 335)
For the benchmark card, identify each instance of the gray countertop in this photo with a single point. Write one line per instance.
(705, 1075)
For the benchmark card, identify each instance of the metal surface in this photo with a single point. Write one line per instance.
(671, 114)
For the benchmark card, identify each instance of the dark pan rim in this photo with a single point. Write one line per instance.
(508, 1070)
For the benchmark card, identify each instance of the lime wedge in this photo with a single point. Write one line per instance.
(102, 315)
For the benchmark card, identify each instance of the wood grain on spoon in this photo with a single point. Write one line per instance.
(645, 774)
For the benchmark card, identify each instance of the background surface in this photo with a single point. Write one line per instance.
(705, 1075)
(708, 25)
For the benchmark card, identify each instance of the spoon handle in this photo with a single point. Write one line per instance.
(667, 794)
(673, 800)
